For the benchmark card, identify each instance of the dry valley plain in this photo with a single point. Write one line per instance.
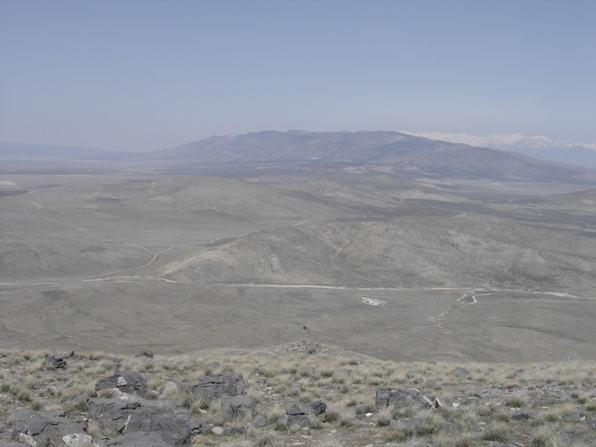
(418, 270)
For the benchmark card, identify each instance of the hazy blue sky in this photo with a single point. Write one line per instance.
(143, 75)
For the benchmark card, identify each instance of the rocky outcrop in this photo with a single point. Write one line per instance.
(46, 428)
(173, 426)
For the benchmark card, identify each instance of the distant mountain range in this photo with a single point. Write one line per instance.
(399, 154)
(582, 154)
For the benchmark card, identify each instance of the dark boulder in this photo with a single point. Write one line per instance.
(221, 385)
(161, 421)
(126, 382)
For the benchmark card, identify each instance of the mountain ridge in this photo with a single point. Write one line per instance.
(394, 153)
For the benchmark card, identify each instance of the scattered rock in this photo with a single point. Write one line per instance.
(54, 362)
(217, 431)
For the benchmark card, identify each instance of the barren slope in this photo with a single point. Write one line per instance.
(411, 251)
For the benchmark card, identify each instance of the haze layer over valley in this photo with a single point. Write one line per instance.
(394, 246)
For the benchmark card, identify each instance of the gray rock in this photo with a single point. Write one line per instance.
(126, 382)
(221, 385)
(161, 421)
(48, 427)
(54, 362)
(237, 407)
(259, 421)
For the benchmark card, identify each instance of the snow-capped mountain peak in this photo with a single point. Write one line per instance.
(537, 146)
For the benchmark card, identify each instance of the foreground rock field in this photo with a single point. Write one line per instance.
(293, 395)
